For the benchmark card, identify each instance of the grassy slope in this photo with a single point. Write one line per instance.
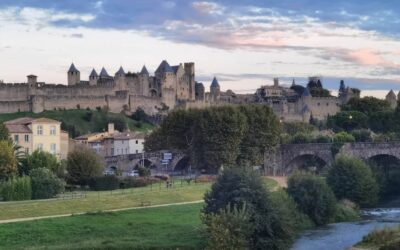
(171, 227)
(75, 117)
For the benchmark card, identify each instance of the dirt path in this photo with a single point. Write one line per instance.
(282, 180)
(112, 210)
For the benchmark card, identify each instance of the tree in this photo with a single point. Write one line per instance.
(313, 196)
(4, 134)
(83, 164)
(119, 121)
(8, 161)
(367, 105)
(239, 187)
(39, 159)
(45, 184)
(348, 120)
(293, 128)
(343, 137)
(350, 178)
(228, 229)
(139, 115)
(262, 132)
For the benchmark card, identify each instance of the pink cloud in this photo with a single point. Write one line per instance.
(368, 57)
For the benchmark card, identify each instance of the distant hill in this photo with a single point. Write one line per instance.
(81, 121)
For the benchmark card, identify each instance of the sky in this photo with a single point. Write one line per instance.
(243, 43)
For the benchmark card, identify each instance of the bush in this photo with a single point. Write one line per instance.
(362, 135)
(351, 178)
(345, 211)
(301, 138)
(45, 184)
(343, 137)
(228, 229)
(237, 187)
(144, 172)
(83, 164)
(8, 161)
(313, 196)
(88, 116)
(16, 189)
(133, 182)
(40, 159)
(323, 139)
(101, 183)
(292, 128)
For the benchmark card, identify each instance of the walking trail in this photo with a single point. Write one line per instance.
(111, 210)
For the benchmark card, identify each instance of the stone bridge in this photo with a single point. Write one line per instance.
(286, 158)
(152, 159)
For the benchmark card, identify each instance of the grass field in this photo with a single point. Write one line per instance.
(75, 118)
(92, 201)
(172, 227)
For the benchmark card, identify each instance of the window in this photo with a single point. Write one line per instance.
(137, 151)
(16, 138)
(40, 130)
(53, 148)
(137, 141)
(53, 130)
(112, 151)
(39, 146)
(26, 138)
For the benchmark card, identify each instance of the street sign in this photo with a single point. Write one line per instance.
(167, 156)
(164, 161)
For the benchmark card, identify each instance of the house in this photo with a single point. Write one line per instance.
(39, 134)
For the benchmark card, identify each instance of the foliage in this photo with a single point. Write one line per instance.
(343, 137)
(383, 121)
(143, 171)
(345, 211)
(323, 139)
(293, 128)
(301, 138)
(45, 184)
(120, 122)
(228, 229)
(88, 116)
(133, 182)
(238, 186)
(298, 89)
(40, 159)
(4, 134)
(8, 161)
(350, 178)
(381, 236)
(16, 189)
(83, 164)
(348, 120)
(108, 182)
(139, 115)
(367, 105)
(218, 136)
(313, 196)
(362, 135)
(387, 173)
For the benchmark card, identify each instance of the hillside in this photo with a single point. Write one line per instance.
(79, 122)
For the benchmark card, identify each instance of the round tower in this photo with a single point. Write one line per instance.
(392, 99)
(215, 90)
(74, 75)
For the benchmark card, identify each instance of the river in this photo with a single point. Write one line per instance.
(340, 236)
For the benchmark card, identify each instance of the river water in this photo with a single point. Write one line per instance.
(340, 236)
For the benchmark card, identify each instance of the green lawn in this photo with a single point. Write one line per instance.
(172, 227)
(75, 118)
(92, 201)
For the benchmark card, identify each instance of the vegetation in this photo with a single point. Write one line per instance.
(382, 239)
(8, 161)
(4, 135)
(218, 136)
(16, 189)
(348, 121)
(313, 196)
(108, 182)
(39, 159)
(76, 121)
(171, 227)
(239, 188)
(83, 164)
(345, 211)
(351, 178)
(45, 184)
(230, 228)
(367, 105)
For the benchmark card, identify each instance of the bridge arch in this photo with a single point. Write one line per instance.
(307, 162)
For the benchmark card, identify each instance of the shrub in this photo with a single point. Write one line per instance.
(83, 164)
(362, 135)
(45, 184)
(133, 182)
(343, 137)
(40, 159)
(323, 139)
(240, 187)
(8, 161)
(109, 182)
(293, 128)
(345, 211)
(351, 178)
(88, 116)
(228, 229)
(144, 172)
(16, 189)
(313, 196)
(301, 138)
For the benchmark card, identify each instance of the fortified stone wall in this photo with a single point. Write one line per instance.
(14, 106)
(42, 103)
(148, 104)
(14, 92)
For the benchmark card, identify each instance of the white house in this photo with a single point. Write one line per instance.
(128, 143)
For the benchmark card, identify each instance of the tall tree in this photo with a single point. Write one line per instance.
(83, 164)
(8, 161)
(4, 134)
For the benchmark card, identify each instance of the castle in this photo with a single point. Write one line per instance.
(169, 88)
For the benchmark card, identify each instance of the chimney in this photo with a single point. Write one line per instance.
(111, 128)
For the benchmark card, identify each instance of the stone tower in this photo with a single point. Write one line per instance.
(120, 80)
(74, 76)
(199, 91)
(144, 81)
(93, 77)
(166, 78)
(189, 71)
(392, 99)
(215, 90)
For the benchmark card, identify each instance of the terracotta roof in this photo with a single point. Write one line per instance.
(18, 128)
(23, 120)
(129, 135)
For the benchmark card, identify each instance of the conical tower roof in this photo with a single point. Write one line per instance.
(164, 67)
(120, 71)
(73, 69)
(391, 95)
(144, 71)
(103, 73)
(306, 92)
(93, 73)
(215, 83)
